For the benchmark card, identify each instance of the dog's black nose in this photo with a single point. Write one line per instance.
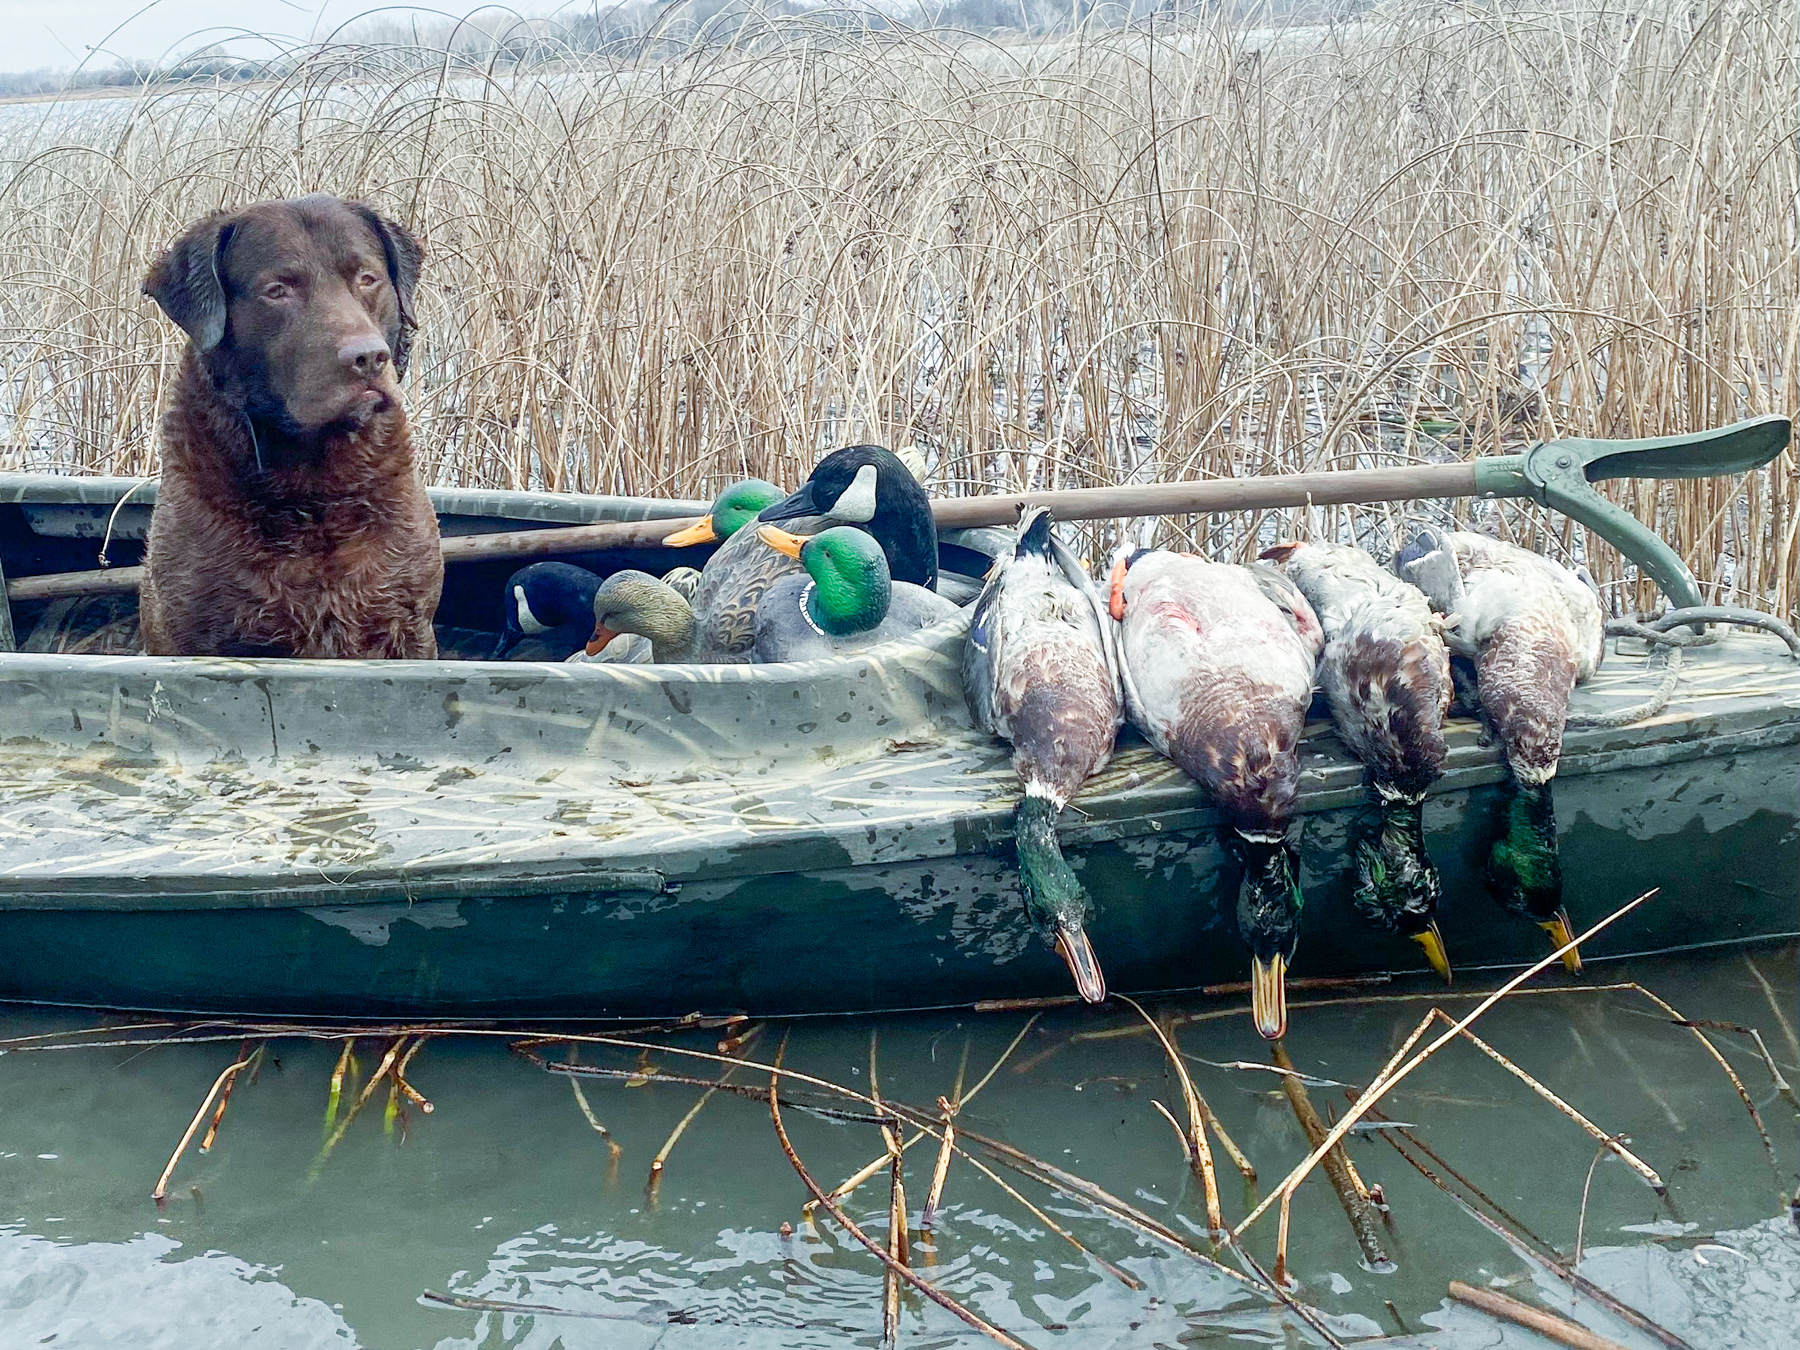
(366, 356)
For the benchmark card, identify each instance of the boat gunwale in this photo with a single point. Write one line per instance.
(1168, 804)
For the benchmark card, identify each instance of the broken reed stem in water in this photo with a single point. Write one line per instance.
(219, 1083)
(1546, 1324)
(1436, 996)
(346, 1058)
(1393, 1072)
(1781, 1084)
(1736, 1082)
(654, 1181)
(1605, 1140)
(925, 1287)
(362, 1100)
(1608, 1142)
(1535, 1250)
(612, 1145)
(874, 1165)
(1199, 1153)
(212, 1129)
(404, 1087)
(941, 1172)
(1364, 1222)
(890, 1284)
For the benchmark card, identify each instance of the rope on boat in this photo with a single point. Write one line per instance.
(1670, 645)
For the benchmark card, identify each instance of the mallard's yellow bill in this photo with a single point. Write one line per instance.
(597, 643)
(700, 533)
(780, 540)
(1268, 996)
(1433, 943)
(1557, 926)
(1073, 946)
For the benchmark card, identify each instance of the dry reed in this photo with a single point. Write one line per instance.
(1179, 249)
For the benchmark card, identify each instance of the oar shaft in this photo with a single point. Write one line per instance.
(1100, 503)
(1214, 494)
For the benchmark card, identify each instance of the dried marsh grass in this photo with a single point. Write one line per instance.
(1171, 250)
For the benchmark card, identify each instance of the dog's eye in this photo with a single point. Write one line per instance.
(368, 279)
(275, 290)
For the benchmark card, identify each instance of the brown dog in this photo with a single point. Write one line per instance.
(290, 520)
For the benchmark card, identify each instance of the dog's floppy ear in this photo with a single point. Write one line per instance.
(405, 256)
(188, 283)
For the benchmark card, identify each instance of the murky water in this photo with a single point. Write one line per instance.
(505, 1191)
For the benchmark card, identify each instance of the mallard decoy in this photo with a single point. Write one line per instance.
(550, 603)
(732, 509)
(862, 485)
(1039, 670)
(636, 602)
(1386, 674)
(844, 601)
(1533, 630)
(1219, 677)
(628, 648)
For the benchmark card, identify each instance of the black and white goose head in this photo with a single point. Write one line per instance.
(869, 487)
(551, 601)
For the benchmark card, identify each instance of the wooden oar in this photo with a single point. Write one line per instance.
(1554, 473)
(1102, 503)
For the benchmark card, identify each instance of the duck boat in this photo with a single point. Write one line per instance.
(466, 838)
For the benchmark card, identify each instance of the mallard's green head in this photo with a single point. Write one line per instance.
(636, 602)
(734, 508)
(851, 587)
(1056, 902)
(1268, 916)
(1396, 885)
(1524, 871)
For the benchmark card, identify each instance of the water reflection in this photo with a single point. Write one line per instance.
(505, 1192)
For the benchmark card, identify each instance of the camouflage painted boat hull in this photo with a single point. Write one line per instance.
(468, 839)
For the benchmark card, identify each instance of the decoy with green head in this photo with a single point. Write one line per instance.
(862, 485)
(1386, 675)
(844, 600)
(1040, 670)
(732, 509)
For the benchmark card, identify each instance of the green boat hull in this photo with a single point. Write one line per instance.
(458, 840)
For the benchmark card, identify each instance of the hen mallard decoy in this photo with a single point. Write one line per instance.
(1533, 630)
(1039, 670)
(1386, 674)
(651, 608)
(844, 600)
(550, 603)
(862, 485)
(1218, 676)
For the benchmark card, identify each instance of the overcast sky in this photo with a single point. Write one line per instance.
(58, 33)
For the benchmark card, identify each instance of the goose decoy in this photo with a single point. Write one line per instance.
(550, 603)
(1040, 671)
(1218, 677)
(1533, 631)
(843, 601)
(862, 485)
(1386, 675)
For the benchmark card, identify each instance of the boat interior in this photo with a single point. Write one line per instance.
(53, 524)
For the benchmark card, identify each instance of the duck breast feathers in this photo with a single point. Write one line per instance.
(1219, 679)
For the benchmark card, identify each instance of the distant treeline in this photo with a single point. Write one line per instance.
(641, 28)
